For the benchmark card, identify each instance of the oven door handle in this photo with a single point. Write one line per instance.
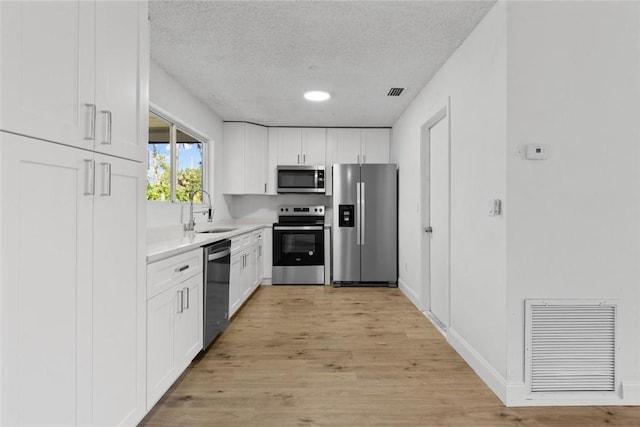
(300, 228)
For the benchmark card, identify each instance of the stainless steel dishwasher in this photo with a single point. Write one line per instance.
(217, 260)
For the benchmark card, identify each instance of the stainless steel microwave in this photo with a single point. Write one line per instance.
(301, 179)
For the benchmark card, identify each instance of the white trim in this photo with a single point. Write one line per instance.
(409, 293)
(517, 396)
(485, 371)
(159, 111)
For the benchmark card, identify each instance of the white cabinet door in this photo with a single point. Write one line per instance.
(347, 149)
(46, 262)
(375, 145)
(118, 93)
(235, 283)
(119, 292)
(234, 158)
(250, 272)
(314, 146)
(48, 70)
(255, 159)
(188, 322)
(289, 146)
(161, 317)
(260, 263)
(267, 253)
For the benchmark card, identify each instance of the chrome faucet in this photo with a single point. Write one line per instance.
(189, 226)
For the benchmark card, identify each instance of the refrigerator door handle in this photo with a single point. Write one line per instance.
(362, 208)
(357, 214)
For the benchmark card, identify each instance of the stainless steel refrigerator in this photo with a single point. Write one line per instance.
(365, 224)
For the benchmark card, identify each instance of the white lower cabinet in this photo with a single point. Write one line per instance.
(246, 262)
(72, 342)
(174, 320)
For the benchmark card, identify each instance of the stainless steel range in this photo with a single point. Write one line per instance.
(298, 246)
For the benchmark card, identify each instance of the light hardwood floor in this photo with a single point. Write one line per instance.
(321, 356)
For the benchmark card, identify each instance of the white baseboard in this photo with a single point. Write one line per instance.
(409, 293)
(517, 396)
(485, 371)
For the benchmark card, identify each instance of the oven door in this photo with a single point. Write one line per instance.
(298, 245)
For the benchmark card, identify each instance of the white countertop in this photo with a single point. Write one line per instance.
(168, 241)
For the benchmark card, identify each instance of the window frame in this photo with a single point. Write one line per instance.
(176, 124)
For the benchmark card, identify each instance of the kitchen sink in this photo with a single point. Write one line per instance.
(217, 230)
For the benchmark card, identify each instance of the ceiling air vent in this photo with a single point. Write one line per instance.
(395, 91)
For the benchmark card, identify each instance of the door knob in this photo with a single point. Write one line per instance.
(428, 230)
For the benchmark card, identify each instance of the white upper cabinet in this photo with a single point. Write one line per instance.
(300, 146)
(117, 84)
(347, 145)
(289, 146)
(72, 73)
(245, 154)
(358, 145)
(48, 70)
(314, 146)
(375, 145)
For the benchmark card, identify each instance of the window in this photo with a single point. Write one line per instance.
(177, 163)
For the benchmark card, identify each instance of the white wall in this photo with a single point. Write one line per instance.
(168, 94)
(574, 219)
(475, 79)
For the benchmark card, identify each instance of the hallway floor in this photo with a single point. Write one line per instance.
(324, 356)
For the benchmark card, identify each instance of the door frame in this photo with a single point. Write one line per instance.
(443, 113)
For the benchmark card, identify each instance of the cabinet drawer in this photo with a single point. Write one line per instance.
(256, 237)
(240, 242)
(163, 274)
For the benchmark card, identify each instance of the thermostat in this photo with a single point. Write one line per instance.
(536, 152)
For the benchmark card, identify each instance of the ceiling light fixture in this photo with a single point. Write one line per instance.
(317, 95)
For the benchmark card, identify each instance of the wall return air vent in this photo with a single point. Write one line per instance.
(395, 91)
(570, 347)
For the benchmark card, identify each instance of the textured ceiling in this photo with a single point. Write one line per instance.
(253, 60)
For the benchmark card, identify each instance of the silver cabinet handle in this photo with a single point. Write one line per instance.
(181, 305)
(304, 159)
(186, 305)
(298, 158)
(91, 134)
(181, 269)
(364, 158)
(265, 187)
(106, 175)
(89, 177)
(364, 204)
(358, 203)
(358, 158)
(107, 133)
(428, 229)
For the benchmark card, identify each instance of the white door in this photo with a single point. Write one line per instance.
(436, 218)
(48, 70)
(119, 292)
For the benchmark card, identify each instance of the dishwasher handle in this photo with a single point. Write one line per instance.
(217, 255)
